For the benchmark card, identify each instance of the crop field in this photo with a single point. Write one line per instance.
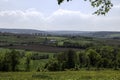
(40, 48)
(65, 75)
(45, 44)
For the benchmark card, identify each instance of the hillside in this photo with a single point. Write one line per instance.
(98, 34)
(20, 31)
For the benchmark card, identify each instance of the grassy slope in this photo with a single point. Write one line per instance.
(15, 39)
(66, 75)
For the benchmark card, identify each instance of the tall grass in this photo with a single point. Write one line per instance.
(65, 75)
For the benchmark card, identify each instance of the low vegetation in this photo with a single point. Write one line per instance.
(65, 75)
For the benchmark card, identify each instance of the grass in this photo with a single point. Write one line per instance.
(15, 39)
(56, 38)
(65, 75)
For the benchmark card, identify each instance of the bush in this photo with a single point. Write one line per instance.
(9, 61)
(52, 65)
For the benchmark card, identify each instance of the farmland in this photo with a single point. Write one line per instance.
(52, 43)
(63, 57)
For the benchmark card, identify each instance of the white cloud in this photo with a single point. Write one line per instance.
(71, 20)
(58, 20)
(116, 6)
(21, 19)
(75, 20)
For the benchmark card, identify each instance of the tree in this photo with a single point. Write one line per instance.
(14, 58)
(107, 52)
(53, 65)
(67, 59)
(62, 60)
(103, 5)
(82, 59)
(4, 61)
(118, 59)
(94, 57)
(9, 60)
(28, 60)
(105, 63)
(27, 63)
(71, 59)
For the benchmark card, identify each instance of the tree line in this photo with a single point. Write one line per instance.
(92, 58)
(13, 60)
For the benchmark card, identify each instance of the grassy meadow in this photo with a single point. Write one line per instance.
(65, 75)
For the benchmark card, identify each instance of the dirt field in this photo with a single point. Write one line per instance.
(41, 48)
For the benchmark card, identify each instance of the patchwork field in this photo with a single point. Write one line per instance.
(35, 57)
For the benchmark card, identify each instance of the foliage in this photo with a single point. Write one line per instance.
(103, 5)
(71, 59)
(52, 65)
(14, 59)
(94, 57)
(9, 61)
(37, 56)
(28, 59)
(82, 59)
(65, 60)
(103, 57)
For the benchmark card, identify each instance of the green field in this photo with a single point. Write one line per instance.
(65, 75)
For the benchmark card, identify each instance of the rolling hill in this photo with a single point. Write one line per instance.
(99, 34)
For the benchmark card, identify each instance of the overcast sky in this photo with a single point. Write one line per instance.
(48, 15)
